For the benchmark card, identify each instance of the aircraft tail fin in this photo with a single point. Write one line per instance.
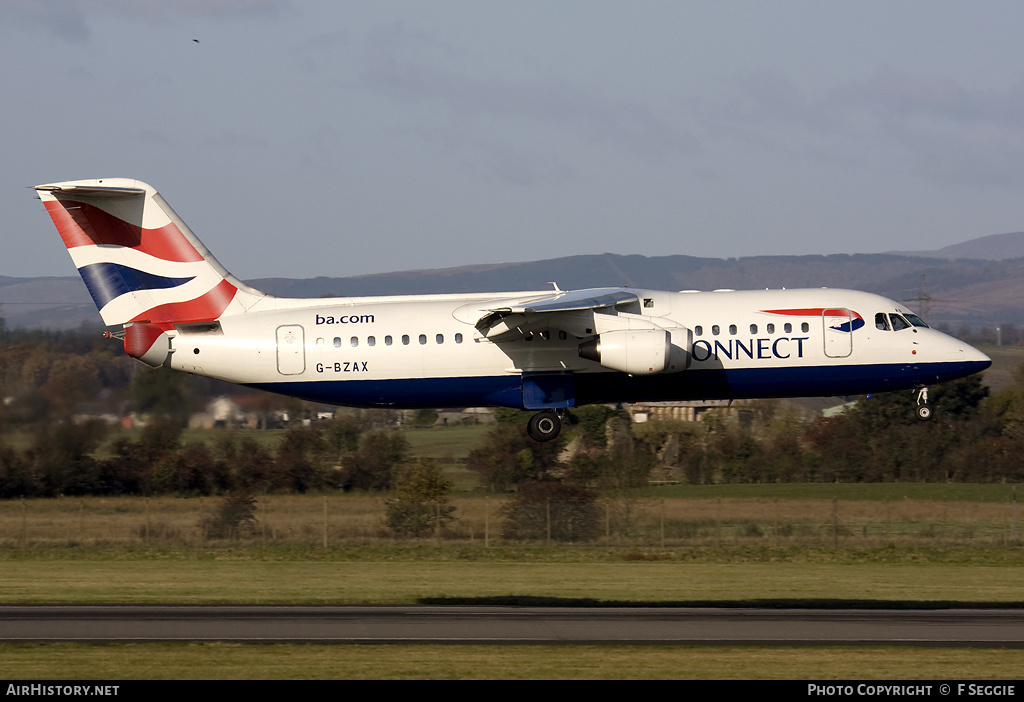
(140, 262)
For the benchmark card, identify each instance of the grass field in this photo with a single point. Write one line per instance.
(417, 574)
(731, 545)
(224, 661)
(834, 515)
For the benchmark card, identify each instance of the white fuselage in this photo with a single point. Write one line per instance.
(427, 351)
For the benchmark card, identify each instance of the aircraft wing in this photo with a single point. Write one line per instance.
(573, 301)
(559, 309)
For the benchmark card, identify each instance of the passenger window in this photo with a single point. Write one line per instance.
(387, 341)
(698, 330)
(753, 329)
(439, 338)
(804, 327)
(788, 328)
(371, 341)
(770, 328)
(458, 338)
(882, 321)
(562, 336)
(732, 329)
(715, 330)
(320, 343)
(423, 338)
(405, 339)
(354, 341)
(337, 342)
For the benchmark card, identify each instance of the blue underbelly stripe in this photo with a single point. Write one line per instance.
(713, 384)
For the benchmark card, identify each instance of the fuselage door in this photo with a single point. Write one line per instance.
(291, 356)
(838, 331)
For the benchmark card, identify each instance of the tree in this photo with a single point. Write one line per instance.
(419, 500)
(193, 470)
(342, 434)
(249, 464)
(163, 392)
(16, 475)
(373, 465)
(300, 460)
(508, 457)
(425, 418)
(72, 380)
(592, 420)
(61, 458)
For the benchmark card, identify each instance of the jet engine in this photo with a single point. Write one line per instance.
(637, 351)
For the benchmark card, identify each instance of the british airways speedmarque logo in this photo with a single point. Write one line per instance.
(842, 319)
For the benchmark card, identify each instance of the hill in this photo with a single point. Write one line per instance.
(995, 247)
(985, 289)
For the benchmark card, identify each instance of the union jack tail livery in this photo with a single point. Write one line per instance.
(547, 350)
(140, 262)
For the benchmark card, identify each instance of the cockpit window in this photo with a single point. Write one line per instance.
(882, 321)
(898, 322)
(916, 321)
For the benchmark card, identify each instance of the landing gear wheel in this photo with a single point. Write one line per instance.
(544, 426)
(923, 409)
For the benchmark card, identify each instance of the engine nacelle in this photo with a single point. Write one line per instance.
(633, 351)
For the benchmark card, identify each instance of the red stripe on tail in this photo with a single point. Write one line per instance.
(204, 308)
(82, 224)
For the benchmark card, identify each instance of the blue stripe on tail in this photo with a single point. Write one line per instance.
(107, 281)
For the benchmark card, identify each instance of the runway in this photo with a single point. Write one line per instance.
(511, 625)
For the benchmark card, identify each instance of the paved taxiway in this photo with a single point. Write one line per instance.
(511, 625)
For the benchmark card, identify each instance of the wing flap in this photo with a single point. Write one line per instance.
(536, 312)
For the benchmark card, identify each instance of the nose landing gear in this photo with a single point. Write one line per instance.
(545, 426)
(923, 409)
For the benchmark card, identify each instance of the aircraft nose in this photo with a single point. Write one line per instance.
(973, 358)
(973, 355)
(967, 359)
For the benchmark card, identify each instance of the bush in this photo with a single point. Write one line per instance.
(235, 517)
(420, 500)
(567, 512)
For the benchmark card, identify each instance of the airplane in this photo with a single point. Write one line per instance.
(546, 351)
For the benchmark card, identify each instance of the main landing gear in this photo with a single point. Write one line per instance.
(544, 426)
(923, 409)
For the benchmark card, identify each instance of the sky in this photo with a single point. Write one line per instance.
(332, 138)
